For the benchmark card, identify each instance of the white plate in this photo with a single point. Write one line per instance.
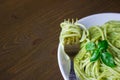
(96, 19)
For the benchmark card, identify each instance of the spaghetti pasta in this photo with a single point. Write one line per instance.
(97, 70)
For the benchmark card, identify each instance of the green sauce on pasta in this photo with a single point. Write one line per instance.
(97, 70)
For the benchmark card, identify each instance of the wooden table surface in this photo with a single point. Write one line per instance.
(29, 34)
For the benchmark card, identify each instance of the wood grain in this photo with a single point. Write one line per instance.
(29, 34)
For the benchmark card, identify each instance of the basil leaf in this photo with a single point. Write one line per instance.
(103, 45)
(90, 46)
(107, 59)
(95, 55)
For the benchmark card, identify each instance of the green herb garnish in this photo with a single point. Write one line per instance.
(100, 51)
(90, 46)
(107, 59)
(102, 45)
(95, 55)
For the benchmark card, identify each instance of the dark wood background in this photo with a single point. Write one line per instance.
(29, 34)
